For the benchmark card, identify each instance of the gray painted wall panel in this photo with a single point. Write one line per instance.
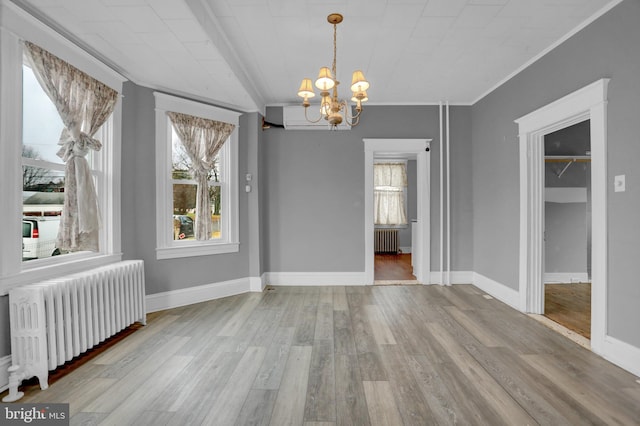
(5, 335)
(566, 237)
(404, 234)
(314, 189)
(461, 172)
(609, 47)
(138, 204)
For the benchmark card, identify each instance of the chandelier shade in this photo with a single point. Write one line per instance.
(358, 82)
(332, 109)
(325, 80)
(306, 89)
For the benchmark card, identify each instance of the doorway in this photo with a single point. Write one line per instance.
(567, 227)
(413, 149)
(588, 103)
(395, 213)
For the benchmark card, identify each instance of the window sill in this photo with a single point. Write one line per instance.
(34, 271)
(196, 250)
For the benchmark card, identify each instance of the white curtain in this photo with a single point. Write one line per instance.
(84, 104)
(202, 139)
(390, 180)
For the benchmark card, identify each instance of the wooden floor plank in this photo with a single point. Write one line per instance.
(306, 328)
(475, 328)
(381, 404)
(198, 374)
(411, 403)
(321, 389)
(137, 401)
(592, 400)
(289, 406)
(340, 299)
(324, 321)
(344, 342)
(273, 366)
(195, 404)
(351, 407)
(226, 408)
(257, 408)
(495, 395)
(236, 321)
(133, 342)
(108, 402)
(441, 400)
(381, 332)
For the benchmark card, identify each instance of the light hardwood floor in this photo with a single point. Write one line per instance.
(412, 355)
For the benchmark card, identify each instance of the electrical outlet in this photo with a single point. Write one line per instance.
(619, 184)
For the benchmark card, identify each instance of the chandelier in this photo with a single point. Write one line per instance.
(332, 109)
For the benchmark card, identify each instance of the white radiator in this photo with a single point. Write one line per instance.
(56, 320)
(386, 241)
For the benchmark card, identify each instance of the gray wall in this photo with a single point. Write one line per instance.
(404, 234)
(609, 47)
(138, 203)
(5, 336)
(566, 237)
(314, 189)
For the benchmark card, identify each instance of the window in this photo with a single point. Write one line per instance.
(181, 232)
(33, 183)
(185, 192)
(43, 170)
(390, 184)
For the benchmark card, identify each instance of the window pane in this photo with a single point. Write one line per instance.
(216, 202)
(42, 187)
(41, 123)
(184, 211)
(181, 162)
(184, 198)
(184, 207)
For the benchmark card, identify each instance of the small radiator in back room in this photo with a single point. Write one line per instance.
(386, 241)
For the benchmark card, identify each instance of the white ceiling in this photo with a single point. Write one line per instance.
(247, 54)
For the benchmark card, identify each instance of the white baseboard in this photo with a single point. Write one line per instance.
(455, 277)
(498, 290)
(5, 363)
(565, 277)
(188, 296)
(257, 284)
(622, 354)
(314, 278)
(405, 250)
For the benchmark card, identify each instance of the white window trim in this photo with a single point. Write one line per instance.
(166, 247)
(17, 25)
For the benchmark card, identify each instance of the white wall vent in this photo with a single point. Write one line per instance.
(293, 119)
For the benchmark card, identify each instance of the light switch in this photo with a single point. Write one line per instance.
(619, 183)
(248, 177)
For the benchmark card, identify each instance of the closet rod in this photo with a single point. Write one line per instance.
(565, 158)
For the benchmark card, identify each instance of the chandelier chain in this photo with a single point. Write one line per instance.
(335, 49)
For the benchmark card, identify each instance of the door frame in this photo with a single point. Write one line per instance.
(420, 148)
(588, 103)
